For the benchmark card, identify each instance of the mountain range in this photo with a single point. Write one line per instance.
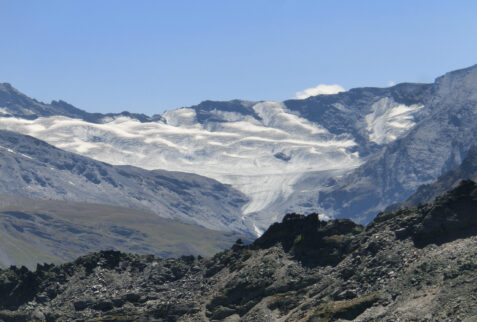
(347, 155)
(191, 181)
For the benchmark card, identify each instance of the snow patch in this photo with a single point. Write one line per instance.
(389, 120)
(4, 110)
(15, 152)
(183, 116)
(257, 230)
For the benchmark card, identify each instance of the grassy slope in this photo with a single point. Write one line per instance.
(33, 231)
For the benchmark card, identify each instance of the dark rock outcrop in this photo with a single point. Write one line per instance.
(310, 240)
(451, 216)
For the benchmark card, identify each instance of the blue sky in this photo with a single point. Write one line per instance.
(151, 56)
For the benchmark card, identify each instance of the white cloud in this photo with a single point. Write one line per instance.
(321, 89)
(391, 83)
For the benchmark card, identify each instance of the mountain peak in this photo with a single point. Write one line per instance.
(459, 84)
(460, 72)
(4, 86)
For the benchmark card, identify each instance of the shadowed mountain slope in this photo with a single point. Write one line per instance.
(449, 180)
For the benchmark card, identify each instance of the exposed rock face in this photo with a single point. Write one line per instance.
(427, 193)
(410, 264)
(435, 145)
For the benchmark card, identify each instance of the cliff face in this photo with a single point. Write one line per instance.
(414, 263)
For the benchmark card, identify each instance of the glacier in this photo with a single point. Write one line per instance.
(262, 155)
(345, 155)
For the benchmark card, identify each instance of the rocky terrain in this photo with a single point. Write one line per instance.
(412, 264)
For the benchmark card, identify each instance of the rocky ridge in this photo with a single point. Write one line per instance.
(16, 104)
(415, 263)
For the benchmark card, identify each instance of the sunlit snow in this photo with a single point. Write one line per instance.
(389, 120)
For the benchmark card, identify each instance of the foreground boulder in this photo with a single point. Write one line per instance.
(409, 264)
